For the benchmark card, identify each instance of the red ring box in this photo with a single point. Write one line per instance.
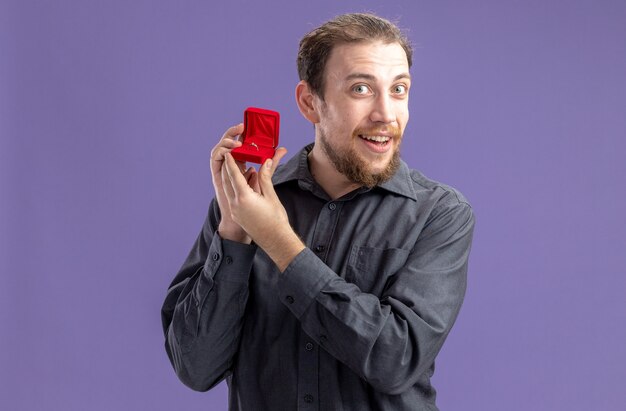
(259, 137)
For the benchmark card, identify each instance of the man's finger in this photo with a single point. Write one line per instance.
(242, 166)
(267, 170)
(248, 173)
(228, 140)
(278, 155)
(237, 180)
(217, 156)
(229, 143)
(270, 165)
(228, 186)
(251, 177)
(223, 146)
(253, 181)
(218, 153)
(233, 132)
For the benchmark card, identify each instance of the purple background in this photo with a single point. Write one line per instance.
(108, 111)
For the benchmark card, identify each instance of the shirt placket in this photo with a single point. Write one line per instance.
(308, 364)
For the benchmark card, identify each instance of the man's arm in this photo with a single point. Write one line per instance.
(389, 341)
(203, 312)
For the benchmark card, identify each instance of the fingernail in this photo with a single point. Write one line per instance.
(268, 164)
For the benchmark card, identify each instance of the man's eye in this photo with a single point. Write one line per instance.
(360, 89)
(399, 89)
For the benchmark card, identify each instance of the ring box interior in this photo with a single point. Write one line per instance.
(259, 137)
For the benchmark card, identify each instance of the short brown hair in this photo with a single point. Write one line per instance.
(316, 46)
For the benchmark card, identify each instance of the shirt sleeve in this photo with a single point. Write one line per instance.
(392, 340)
(203, 311)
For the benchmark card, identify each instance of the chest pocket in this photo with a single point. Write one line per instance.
(369, 268)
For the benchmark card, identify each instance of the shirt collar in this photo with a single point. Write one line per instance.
(297, 168)
(401, 182)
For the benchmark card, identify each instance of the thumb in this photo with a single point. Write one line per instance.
(267, 171)
(265, 177)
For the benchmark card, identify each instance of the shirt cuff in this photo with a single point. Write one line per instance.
(303, 279)
(229, 260)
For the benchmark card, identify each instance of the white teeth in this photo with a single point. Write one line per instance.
(379, 139)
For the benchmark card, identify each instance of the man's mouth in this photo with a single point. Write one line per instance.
(376, 143)
(379, 140)
(382, 140)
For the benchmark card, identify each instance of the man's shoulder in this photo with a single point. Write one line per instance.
(427, 189)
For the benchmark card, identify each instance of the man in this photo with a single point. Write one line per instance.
(329, 283)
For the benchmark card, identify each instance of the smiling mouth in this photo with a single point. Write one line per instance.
(380, 140)
(377, 144)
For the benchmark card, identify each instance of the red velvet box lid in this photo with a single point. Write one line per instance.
(259, 137)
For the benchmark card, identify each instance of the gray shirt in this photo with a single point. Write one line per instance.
(355, 321)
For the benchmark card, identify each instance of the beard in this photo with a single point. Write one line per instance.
(356, 169)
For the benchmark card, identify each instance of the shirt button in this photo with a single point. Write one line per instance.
(308, 346)
(323, 338)
(216, 256)
(290, 299)
(229, 259)
(308, 398)
(320, 248)
(332, 206)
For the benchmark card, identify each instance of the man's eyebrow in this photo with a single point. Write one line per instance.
(402, 75)
(373, 78)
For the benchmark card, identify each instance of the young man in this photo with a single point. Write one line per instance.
(329, 283)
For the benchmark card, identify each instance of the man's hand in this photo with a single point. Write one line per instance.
(258, 210)
(228, 229)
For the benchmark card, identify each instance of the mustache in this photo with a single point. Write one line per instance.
(393, 131)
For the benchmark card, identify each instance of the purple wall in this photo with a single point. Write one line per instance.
(108, 111)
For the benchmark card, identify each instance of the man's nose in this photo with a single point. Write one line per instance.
(382, 111)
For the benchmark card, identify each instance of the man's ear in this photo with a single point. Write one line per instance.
(307, 102)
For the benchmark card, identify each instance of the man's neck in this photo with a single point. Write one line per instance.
(334, 183)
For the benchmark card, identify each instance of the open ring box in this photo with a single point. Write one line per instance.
(259, 137)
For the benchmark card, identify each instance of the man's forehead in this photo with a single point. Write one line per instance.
(367, 59)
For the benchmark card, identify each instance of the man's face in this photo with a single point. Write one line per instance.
(365, 110)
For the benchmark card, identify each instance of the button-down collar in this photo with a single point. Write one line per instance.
(297, 168)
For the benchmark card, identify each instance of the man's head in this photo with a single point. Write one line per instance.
(354, 73)
(316, 46)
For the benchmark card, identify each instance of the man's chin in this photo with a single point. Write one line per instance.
(379, 162)
(379, 173)
(360, 165)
